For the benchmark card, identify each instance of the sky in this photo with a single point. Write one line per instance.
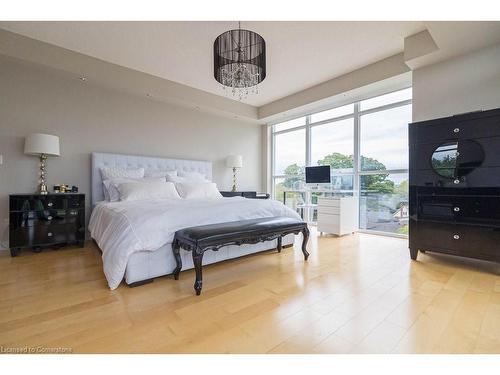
(384, 136)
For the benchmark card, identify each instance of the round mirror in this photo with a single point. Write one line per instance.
(457, 158)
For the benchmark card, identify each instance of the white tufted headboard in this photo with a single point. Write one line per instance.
(101, 159)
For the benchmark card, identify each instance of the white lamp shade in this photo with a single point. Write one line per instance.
(37, 144)
(234, 161)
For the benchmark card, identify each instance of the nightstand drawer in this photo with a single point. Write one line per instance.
(47, 217)
(46, 202)
(46, 235)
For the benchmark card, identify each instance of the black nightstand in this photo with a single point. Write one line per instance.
(245, 194)
(38, 221)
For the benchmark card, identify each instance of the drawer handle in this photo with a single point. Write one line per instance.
(50, 204)
(456, 130)
(49, 234)
(457, 181)
(456, 209)
(456, 237)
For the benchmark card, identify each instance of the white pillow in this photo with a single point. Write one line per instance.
(111, 192)
(115, 172)
(159, 173)
(198, 190)
(193, 176)
(136, 191)
(176, 179)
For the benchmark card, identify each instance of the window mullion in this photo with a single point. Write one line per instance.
(357, 157)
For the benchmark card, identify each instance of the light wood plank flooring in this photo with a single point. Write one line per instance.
(356, 294)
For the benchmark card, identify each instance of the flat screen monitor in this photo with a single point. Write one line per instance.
(318, 175)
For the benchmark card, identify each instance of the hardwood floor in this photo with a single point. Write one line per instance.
(356, 294)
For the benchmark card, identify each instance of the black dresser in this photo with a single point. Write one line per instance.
(455, 185)
(38, 221)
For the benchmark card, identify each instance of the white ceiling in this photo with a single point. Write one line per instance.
(299, 54)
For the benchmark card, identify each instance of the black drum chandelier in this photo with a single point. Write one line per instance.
(240, 61)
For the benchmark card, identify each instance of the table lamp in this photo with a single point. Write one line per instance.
(42, 145)
(234, 161)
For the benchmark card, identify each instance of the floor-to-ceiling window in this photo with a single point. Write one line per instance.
(366, 145)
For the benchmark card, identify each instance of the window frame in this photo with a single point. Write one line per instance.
(357, 172)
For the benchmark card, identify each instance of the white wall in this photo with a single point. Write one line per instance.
(89, 118)
(463, 84)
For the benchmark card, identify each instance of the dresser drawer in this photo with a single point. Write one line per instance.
(332, 210)
(45, 235)
(328, 219)
(328, 202)
(456, 128)
(460, 209)
(481, 152)
(19, 219)
(478, 178)
(462, 239)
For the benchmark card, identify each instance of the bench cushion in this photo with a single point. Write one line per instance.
(215, 234)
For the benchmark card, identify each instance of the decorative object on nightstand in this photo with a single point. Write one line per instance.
(235, 162)
(245, 194)
(42, 145)
(337, 215)
(42, 220)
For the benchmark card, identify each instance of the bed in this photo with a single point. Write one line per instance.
(136, 237)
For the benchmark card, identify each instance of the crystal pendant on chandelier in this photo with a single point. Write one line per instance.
(240, 62)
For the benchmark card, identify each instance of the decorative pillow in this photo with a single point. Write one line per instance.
(198, 190)
(159, 173)
(136, 191)
(115, 172)
(111, 192)
(193, 176)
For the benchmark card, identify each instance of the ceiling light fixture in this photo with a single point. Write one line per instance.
(240, 61)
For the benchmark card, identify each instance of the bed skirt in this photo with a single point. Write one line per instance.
(144, 265)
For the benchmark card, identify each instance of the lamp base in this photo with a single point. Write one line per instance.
(234, 180)
(42, 188)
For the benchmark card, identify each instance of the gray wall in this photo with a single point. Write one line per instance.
(463, 84)
(89, 118)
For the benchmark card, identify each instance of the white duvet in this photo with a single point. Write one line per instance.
(122, 228)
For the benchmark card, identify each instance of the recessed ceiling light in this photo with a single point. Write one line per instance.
(83, 78)
(149, 95)
(197, 107)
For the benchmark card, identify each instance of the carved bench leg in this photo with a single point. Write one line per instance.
(197, 261)
(280, 246)
(176, 249)
(305, 234)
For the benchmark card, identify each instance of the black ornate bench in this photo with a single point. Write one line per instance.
(214, 236)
